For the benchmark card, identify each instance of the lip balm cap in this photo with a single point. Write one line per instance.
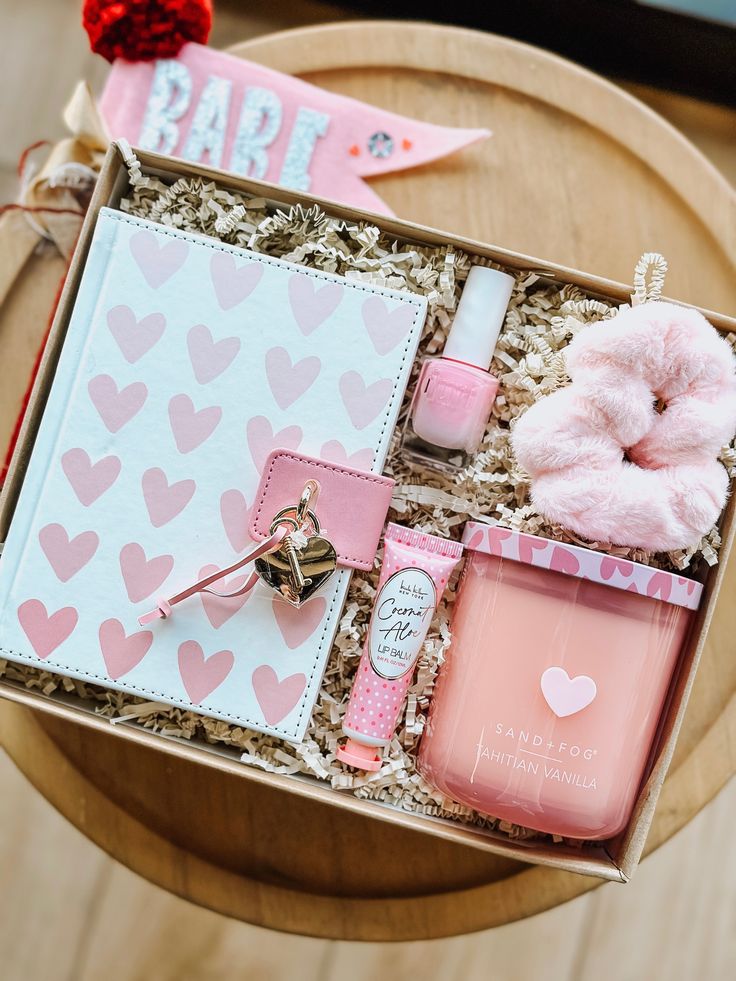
(479, 317)
(360, 756)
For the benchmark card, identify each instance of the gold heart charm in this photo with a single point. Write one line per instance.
(317, 560)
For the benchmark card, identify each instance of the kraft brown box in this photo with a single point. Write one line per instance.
(615, 860)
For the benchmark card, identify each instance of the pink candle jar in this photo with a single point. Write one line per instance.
(547, 707)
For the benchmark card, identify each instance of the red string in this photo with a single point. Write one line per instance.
(28, 207)
(23, 159)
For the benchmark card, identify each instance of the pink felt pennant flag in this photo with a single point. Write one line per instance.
(214, 108)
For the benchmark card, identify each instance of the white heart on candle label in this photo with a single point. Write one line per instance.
(566, 695)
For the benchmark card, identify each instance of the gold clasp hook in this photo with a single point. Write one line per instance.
(307, 501)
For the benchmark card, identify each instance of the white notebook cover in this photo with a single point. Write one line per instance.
(186, 361)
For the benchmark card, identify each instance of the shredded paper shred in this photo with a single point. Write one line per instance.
(543, 317)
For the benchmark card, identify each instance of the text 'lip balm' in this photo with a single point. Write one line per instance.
(416, 569)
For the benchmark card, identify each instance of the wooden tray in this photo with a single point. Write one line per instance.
(580, 173)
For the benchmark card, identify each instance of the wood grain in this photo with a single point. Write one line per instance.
(676, 920)
(578, 172)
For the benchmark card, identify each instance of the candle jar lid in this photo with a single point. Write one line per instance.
(583, 563)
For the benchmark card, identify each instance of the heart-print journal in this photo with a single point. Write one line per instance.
(185, 363)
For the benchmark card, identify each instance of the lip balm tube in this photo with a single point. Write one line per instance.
(416, 569)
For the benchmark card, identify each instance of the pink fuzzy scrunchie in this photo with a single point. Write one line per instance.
(604, 461)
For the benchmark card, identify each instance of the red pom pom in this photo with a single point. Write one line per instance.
(140, 30)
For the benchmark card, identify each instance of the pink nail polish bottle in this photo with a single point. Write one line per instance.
(455, 392)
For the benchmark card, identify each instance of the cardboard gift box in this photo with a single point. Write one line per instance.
(616, 859)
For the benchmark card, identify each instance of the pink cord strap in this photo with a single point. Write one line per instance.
(163, 609)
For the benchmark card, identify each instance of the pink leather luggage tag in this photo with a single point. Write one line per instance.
(352, 503)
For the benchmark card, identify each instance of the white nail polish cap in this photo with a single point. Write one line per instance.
(479, 317)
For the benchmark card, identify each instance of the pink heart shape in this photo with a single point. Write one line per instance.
(122, 653)
(235, 515)
(192, 428)
(660, 583)
(157, 261)
(610, 564)
(143, 576)
(386, 329)
(298, 625)
(46, 632)
(135, 337)
(563, 560)
(364, 402)
(262, 439)
(164, 500)
(116, 407)
(232, 284)
(202, 675)
(219, 609)
(496, 541)
(528, 545)
(312, 306)
(89, 481)
(66, 557)
(276, 698)
(566, 695)
(209, 357)
(475, 540)
(288, 381)
(336, 453)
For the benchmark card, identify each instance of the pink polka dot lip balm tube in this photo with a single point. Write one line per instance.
(416, 569)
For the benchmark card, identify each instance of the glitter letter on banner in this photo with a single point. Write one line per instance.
(308, 127)
(207, 133)
(206, 105)
(260, 122)
(171, 93)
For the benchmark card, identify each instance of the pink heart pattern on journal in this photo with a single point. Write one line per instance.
(235, 515)
(190, 427)
(165, 501)
(310, 304)
(335, 452)
(233, 283)
(276, 698)
(136, 332)
(116, 407)
(298, 625)
(67, 556)
(46, 631)
(135, 337)
(219, 609)
(143, 576)
(122, 652)
(88, 480)
(157, 262)
(386, 329)
(262, 439)
(364, 402)
(209, 357)
(288, 381)
(201, 675)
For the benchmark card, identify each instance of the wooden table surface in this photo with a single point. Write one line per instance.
(577, 172)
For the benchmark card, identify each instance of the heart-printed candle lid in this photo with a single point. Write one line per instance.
(583, 563)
